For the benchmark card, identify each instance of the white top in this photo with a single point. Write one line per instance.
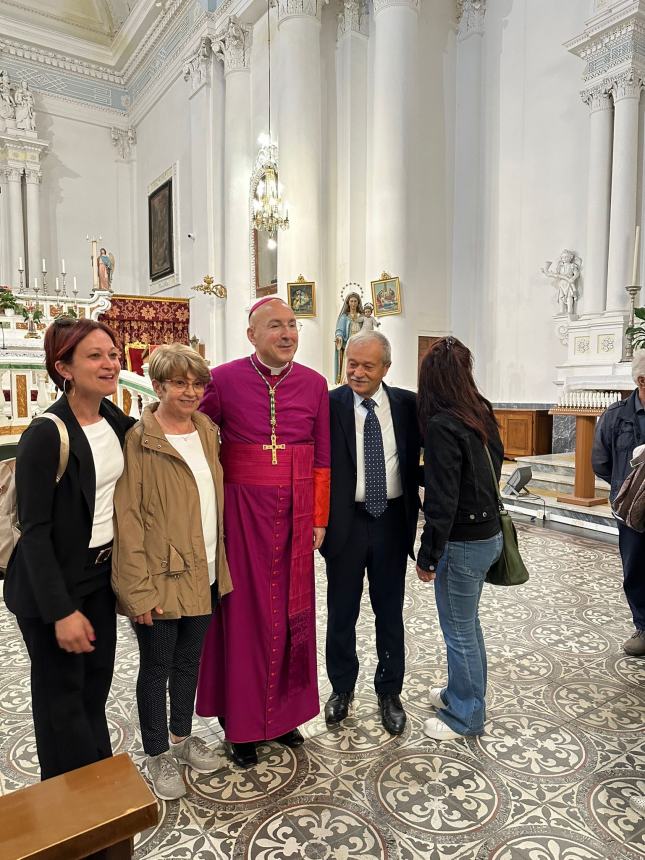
(384, 416)
(190, 448)
(108, 465)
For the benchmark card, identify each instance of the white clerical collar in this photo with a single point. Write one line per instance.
(377, 397)
(275, 371)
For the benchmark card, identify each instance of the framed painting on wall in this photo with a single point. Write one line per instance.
(160, 232)
(386, 293)
(301, 296)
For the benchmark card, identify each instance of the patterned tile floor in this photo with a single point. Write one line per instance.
(564, 751)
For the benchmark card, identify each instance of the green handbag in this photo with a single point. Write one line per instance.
(509, 569)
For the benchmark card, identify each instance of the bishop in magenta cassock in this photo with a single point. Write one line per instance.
(258, 670)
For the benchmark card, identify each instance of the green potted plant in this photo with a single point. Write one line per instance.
(637, 332)
(8, 302)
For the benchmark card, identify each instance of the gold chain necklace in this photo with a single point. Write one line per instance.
(273, 447)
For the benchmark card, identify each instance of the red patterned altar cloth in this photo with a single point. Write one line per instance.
(149, 320)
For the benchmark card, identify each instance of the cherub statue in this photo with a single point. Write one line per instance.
(565, 274)
(370, 323)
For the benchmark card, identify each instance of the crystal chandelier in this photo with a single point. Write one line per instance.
(269, 214)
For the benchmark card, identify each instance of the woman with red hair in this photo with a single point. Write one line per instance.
(58, 578)
(462, 535)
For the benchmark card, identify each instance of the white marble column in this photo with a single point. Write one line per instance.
(124, 142)
(234, 48)
(392, 188)
(33, 179)
(466, 254)
(16, 226)
(624, 179)
(351, 195)
(601, 129)
(299, 140)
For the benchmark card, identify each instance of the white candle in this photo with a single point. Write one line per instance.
(62, 266)
(57, 285)
(74, 281)
(35, 283)
(44, 265)
(20, 266)
(636, 250)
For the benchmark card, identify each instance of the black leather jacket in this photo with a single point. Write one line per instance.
(460, 497)
(617, 434)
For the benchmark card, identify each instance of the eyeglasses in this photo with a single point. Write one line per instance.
(184, 385)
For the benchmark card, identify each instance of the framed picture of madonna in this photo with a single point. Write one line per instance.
(160, 231)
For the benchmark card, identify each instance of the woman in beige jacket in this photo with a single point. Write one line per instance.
(169, 564)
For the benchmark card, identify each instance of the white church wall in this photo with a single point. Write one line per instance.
(534, 181)
(79, 196)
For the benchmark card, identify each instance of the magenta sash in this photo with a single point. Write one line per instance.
(251, 465)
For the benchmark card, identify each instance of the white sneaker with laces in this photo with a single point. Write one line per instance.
(167, 781)
(197, 755)
(435, 699)
(434, 728)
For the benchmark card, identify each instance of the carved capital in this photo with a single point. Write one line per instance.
(33, 177)
(197, 64)
(597, 98)
(233, 46)
(627, 86)
(470, 15)
(379, 5)
(123, 140)
(353, 18)
(299, 9)
(13, 174)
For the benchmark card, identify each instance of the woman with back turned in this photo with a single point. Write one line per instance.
(462, 535)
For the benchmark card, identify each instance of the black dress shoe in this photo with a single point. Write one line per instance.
(291, 739)
(392, 714)
(243, 755)
(337, 707)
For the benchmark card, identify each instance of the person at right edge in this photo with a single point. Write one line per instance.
(462, 536)
(619, 430)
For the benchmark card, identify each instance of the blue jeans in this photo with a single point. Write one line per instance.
(460, 578)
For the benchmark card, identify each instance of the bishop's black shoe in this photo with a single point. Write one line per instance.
(337, 707)
(291, 739)
(392, 714)
(243, 755)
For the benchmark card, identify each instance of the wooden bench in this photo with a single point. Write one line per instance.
(101, 806)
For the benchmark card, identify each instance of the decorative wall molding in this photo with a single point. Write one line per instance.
(233, 46)
(123, 140)
(628, 85)
(33, 177)
(299, 9)
(63, 62)
(353, 18)
(379, 5)
(13, 174)
(470, 15)
(598, 97)
(197, 65)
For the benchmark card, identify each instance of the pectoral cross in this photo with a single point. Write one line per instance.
(274, 448)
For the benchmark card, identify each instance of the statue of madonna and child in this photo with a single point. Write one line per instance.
(354, 317)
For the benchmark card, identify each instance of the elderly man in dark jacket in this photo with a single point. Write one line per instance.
(619, 431)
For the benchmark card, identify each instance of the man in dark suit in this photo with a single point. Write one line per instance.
(372, 526)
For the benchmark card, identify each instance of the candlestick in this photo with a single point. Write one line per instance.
(36, 286)
(64, 285)
(636, 250)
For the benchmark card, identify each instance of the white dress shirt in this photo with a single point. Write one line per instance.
(384, 416)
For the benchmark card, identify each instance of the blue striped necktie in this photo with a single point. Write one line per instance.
(375, 477)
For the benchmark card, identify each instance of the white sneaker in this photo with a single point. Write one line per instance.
(435, 699)
(194, 752)
(438, 730)
(167, 782)
(637, 803)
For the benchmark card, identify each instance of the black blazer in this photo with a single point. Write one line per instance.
(460, 502)
(343, 463)
(55, 520)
